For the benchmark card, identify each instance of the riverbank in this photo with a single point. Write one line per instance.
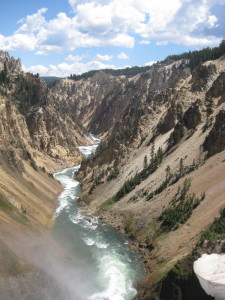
(27, 205)
(107, 268)
(137, 220)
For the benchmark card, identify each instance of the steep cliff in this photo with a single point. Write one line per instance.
(158, 175)
(152, 178)
(36, 138)
(12, 65)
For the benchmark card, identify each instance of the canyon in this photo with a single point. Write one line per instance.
(157, 176)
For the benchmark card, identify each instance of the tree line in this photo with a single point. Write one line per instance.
(199, 56)
(129, 72)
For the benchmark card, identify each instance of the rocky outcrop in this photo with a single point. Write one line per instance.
(168, 74)
(13, 66)
(201, 76)
(53, 135)
(216, 94)
(33, 123)
(192, 116)
(13, 127)
(215, 141)
(103, 100)
(180, 283)
(169, 120)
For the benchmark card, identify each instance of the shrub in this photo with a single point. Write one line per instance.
(180, 209)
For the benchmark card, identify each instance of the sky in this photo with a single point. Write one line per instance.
(63, 37)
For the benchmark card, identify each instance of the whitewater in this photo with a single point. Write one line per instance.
(108, 269)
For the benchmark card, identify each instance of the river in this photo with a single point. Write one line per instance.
(106, 267)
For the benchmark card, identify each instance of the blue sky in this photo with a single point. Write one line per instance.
(63, 37)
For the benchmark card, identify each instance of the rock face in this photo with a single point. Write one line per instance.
(216, 94)
(140, 108)
(12, 65)
(103, 100)
(36, 138)
(215, 141)
(164, 109)
(202, 74)
(152, 126)
(33, 122)
(192, 116)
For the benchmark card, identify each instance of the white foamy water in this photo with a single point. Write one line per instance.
(67, 181)
(114, 267)
(88, 150)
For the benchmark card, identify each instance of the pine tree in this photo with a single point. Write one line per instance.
(159, 156)
(145, 162)
(168, 173)
(152, 155)
(181, 167)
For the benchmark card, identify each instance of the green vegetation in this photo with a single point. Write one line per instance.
(181, 276)
(129, 228)
(180, 209)
(130, 128)
(148, 169)
(4, 79)
(9, 209)
(176, 135)
(207, 124)
(129, 72)
(113, 174)
(172, 178)
(133, 199)
(216, 231)
(145, 163)
(198, 57)
(127, 187)
(131, 183)
(5, 205)
(30, 92)
(51, 78)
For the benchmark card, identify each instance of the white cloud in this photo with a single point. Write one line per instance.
(122, 55)
(33, 22)
(116, 23)
(121, 40)
(65, 69)
(150, 63)
(212, 21)
(111, 18)
(161, 43)
(18, 42)
(73, 3)
(104, 57)
(36, 69)
(45, 50)
(204, 42)
(144, 42)
(76, 58)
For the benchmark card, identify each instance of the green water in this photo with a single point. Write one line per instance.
(105, 267)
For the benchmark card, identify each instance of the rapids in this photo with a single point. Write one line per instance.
(107, 268)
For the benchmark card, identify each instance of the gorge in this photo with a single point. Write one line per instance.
(107, 270)
(157, 177)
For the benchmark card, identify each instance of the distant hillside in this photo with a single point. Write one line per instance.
(50, 78)
(199, 56)
(129, 72)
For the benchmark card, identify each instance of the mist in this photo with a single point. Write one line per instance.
(77, 259)
(54, 274)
